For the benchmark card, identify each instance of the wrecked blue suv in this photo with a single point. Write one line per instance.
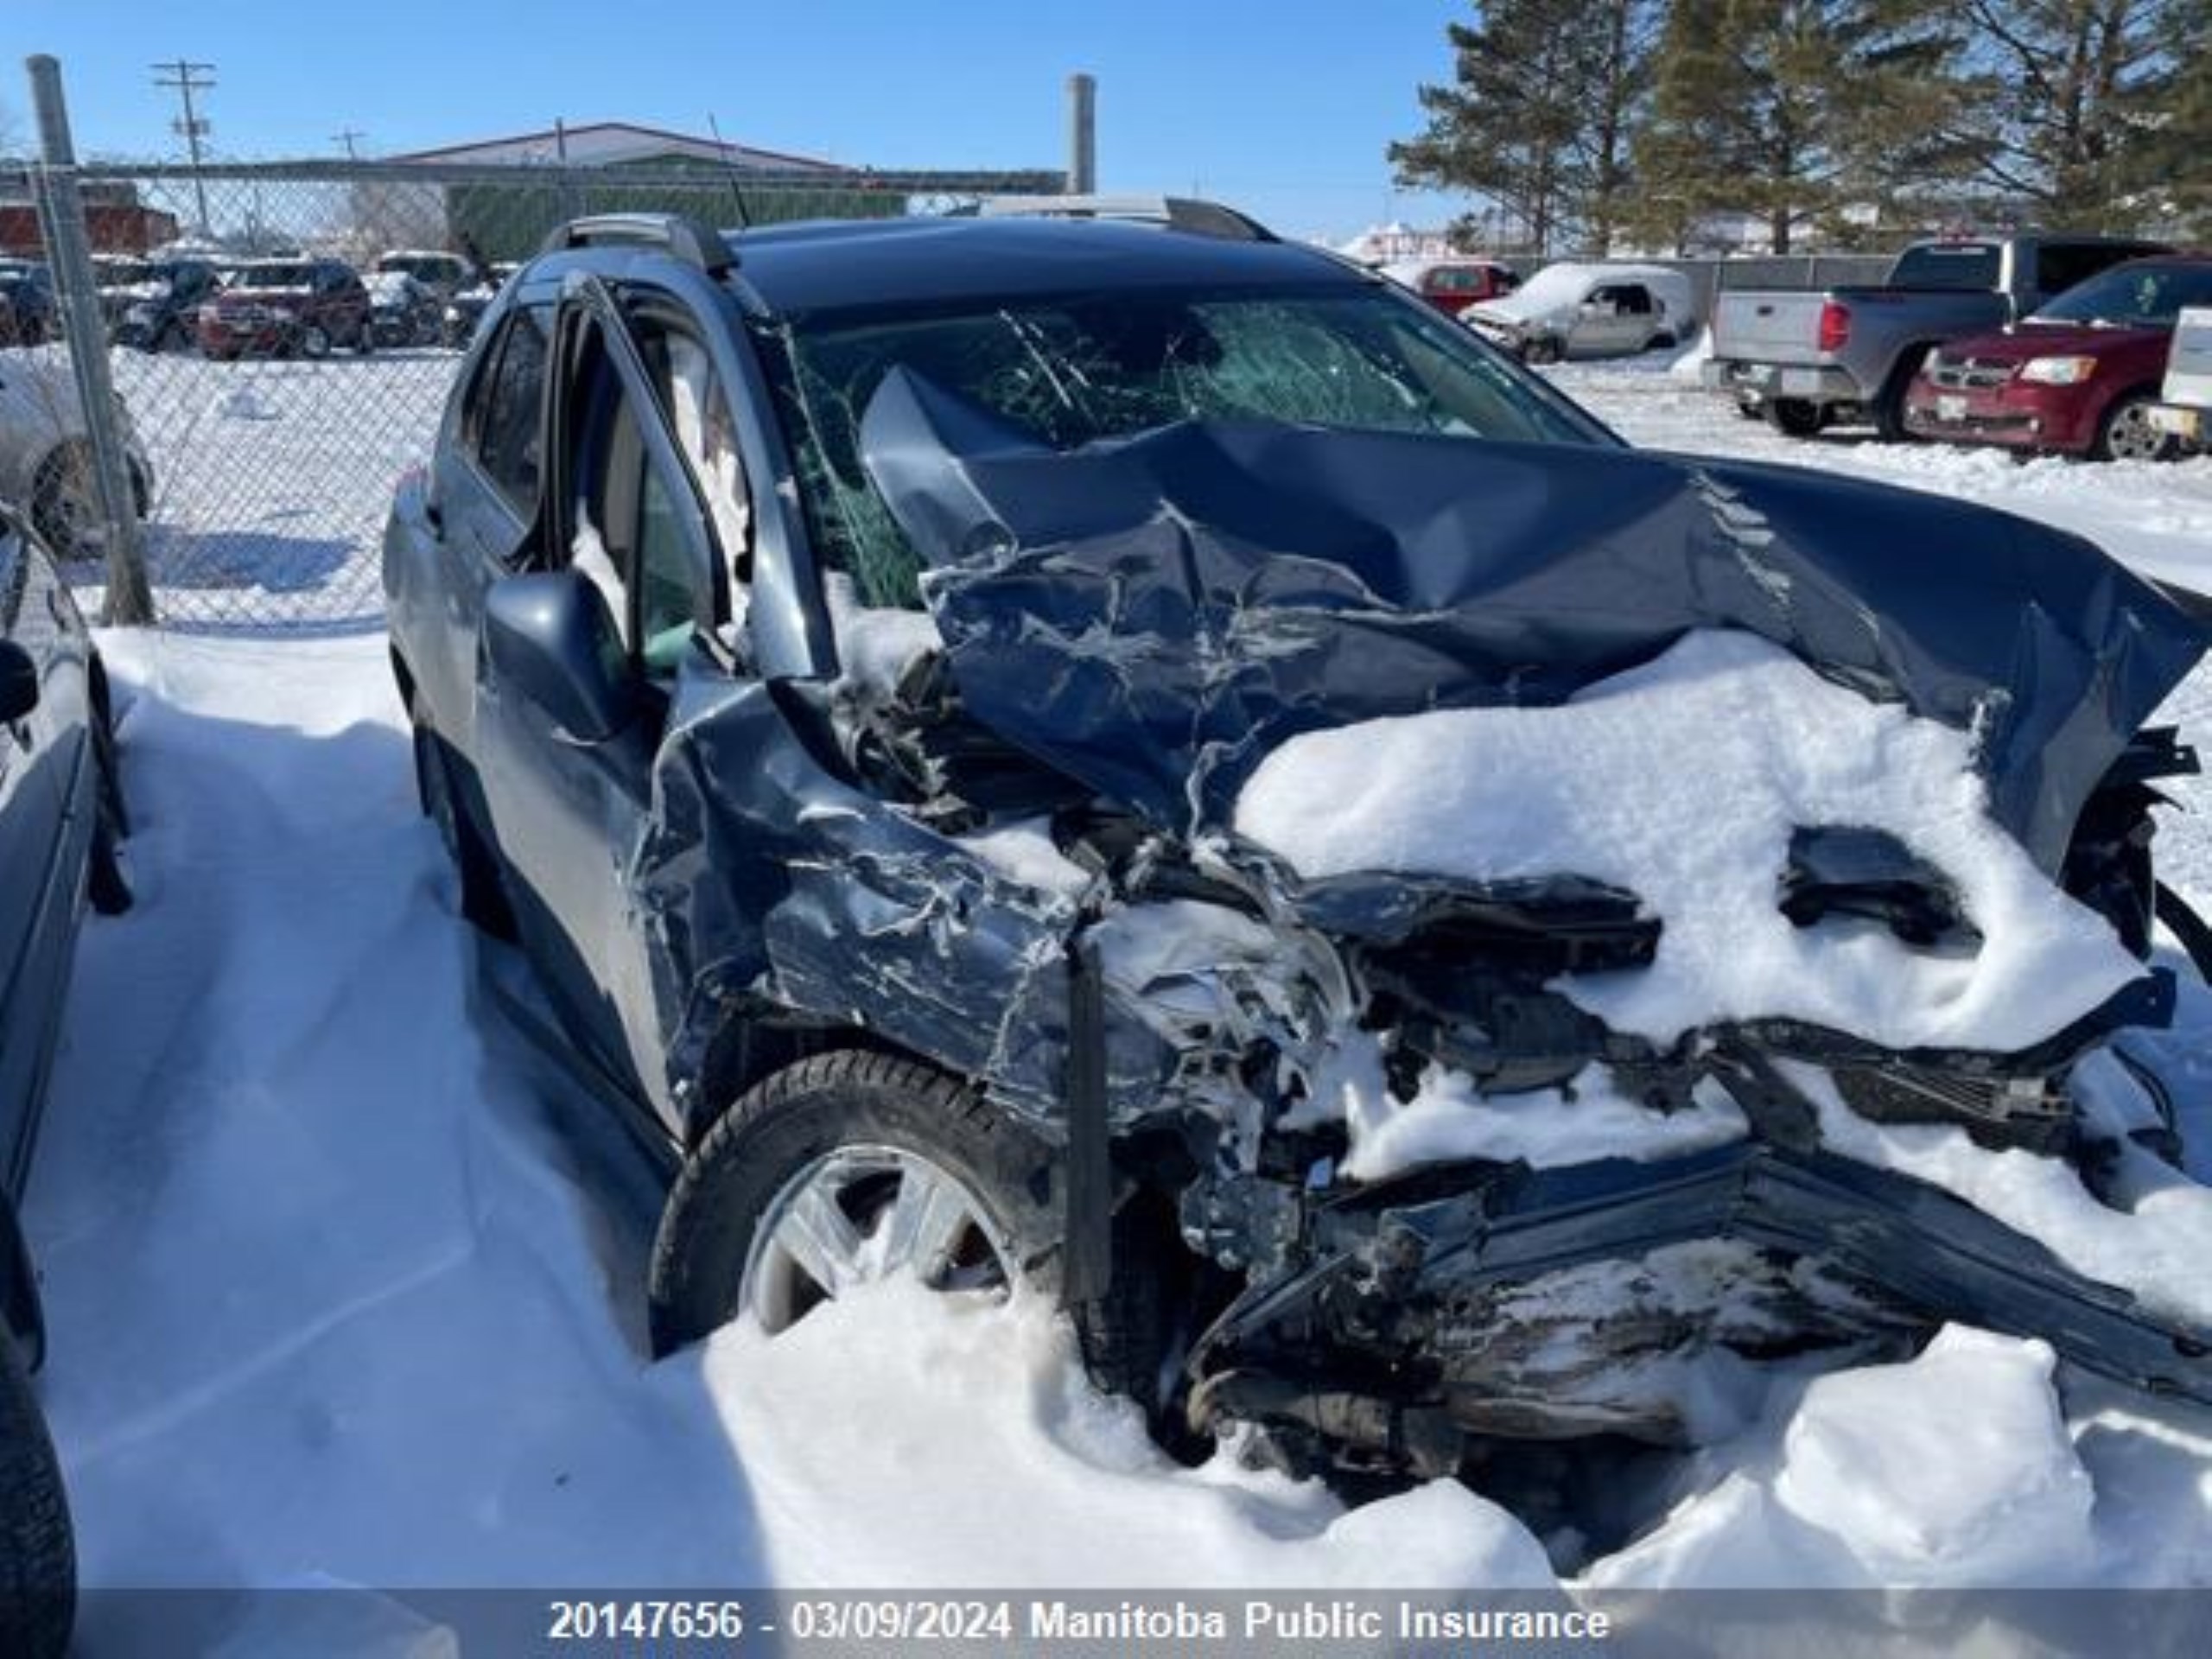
(1035, 750)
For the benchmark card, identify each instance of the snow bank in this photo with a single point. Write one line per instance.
(1681, 781)
(970, 1451)
(1955, 1468)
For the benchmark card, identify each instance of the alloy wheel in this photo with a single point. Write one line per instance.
(861, 1214)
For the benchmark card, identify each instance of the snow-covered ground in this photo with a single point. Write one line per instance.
(344, 1284)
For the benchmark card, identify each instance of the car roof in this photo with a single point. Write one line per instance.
(834, 265)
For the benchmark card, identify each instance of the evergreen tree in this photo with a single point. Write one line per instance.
(1793, 110)
(1539, 115)
(2079, 107)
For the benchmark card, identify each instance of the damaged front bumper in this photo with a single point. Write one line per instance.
(1394, 1328)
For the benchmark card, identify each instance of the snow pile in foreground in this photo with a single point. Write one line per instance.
(1681, 781)
(1954, 1468)
(970, 1451)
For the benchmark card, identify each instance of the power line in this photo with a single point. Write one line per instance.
(184, 78)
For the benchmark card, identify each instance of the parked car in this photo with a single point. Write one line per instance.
(27, 316)
(153, 305)
(844, 656)
(2081, 377)
(46, 467)
(1454, 284)
(60, 825)
(466, 307)
(1810, 360)
(401, 311)
(286, 307)
(1589, 310)
(2184, 411)
(442, 274)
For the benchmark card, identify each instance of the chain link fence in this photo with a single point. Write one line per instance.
(281, 338)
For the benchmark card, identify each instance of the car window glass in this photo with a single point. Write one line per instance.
(1948, 266)
(1072, 371)
(507, 439)
(701, 418)
(2146, 294)
(629, 538)
(2059, 266)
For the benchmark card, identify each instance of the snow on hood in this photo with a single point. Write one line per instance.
(153, 291)
(1152, 616)
(1681, 781)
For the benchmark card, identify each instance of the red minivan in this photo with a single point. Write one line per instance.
(1454, 284)
(2078, 378)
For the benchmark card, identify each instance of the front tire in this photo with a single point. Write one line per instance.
(852, 1164)
(2125, 432)
(38, 1556)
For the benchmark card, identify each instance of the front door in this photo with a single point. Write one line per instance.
(624, 512)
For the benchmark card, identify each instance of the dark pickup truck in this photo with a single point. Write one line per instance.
(1812, 358)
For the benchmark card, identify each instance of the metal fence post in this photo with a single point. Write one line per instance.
(129, 597)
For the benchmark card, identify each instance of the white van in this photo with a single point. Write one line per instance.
(1589, 310)
(2185, 409)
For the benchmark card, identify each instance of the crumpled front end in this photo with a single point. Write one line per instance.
(1453, 1169)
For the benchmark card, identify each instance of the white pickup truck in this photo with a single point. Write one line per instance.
(2184, 408)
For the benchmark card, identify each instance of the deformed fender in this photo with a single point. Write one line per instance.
(771, 886)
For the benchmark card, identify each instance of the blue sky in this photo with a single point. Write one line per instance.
(1282, 108)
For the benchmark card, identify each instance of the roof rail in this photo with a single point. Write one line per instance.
(1176, 212)
(684, 238)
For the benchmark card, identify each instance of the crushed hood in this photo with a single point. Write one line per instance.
(1153, 615)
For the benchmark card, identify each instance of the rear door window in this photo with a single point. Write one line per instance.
(503, 424)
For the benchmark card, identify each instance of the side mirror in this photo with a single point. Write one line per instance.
(19, 686)
(549, 639)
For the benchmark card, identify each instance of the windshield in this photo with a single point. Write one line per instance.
(2143, 295)
(1072, 371)
(120, 273)
(1949, 265)
(275, 277)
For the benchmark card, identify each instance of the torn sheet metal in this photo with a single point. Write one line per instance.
(1153, 615)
